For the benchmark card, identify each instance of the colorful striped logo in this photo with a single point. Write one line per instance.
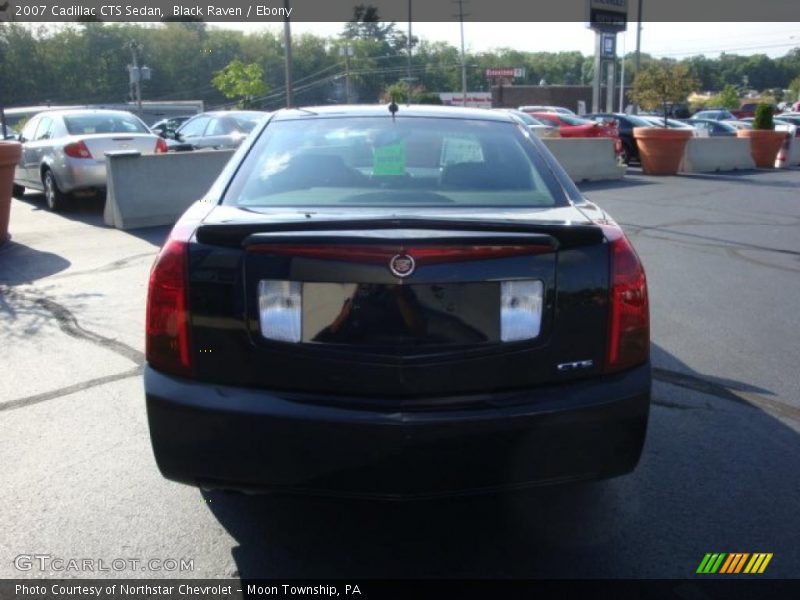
(736, 562)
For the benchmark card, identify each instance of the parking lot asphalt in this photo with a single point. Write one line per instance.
(720, 470)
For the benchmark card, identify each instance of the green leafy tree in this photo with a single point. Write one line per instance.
(662, 84)
(794, 89)
(396, 92)
(728, 98)
(239, 80)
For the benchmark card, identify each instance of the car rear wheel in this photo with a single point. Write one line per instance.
(18, 191)
(55, 198)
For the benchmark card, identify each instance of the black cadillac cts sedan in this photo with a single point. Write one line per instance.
(395, 302)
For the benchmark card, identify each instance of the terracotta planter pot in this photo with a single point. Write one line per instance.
(660, 149)
(764, 145)
(10, 153)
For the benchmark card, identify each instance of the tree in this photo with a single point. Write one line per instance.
(728, 98)
(661, 84)
(366, 24)
(239, 80)
(794, 89)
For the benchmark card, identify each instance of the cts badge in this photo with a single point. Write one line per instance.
(401, 265)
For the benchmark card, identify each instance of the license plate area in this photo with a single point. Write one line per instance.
(379, 314)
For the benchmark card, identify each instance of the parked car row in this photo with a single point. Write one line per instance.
(707, 123)
(571, 126)
(64, 151)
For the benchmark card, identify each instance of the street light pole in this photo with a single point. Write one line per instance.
(136, 74)
(463, 59)
(408, 46)
(287, 54)
(638, 45)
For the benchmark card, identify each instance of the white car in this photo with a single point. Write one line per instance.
(539, 129)
(64, 151)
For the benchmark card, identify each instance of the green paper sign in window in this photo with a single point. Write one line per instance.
(389, 160)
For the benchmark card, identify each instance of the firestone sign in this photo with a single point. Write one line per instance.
(608, 16)
(507, 73)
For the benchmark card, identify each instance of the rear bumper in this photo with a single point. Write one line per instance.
(255, 440)
(80, 173)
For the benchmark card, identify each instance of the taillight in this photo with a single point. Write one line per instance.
(77, 150)
(629, 314)
(161, 145)
(167, 346)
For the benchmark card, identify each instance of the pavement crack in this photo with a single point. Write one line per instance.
(69, 324)
(112, 266)
(70, 389)
(704, 386)
(678, 406)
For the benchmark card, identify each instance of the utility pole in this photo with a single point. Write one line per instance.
(638, 46)
(347, 51)
(136, 74)
(408, 48)
(622, 78)
(287, 54)
(461, 16)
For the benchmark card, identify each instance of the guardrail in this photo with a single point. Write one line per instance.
(586, 159)
(151, 190)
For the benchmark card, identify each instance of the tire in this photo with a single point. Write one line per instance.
(55, 198)
(18, 191)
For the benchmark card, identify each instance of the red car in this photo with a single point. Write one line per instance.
(576, 127)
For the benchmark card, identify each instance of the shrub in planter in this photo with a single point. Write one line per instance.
(765, 142)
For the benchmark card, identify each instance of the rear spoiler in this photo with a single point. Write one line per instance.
(236, 235)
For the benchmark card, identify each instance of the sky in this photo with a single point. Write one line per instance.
(676, 40)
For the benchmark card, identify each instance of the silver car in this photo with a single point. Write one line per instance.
(539, 129)
(215, 130)
(64, 151)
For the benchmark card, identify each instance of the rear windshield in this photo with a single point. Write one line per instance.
(98, 123)
(569, 119)
(525, 117)
(380, 161)
(244, 122)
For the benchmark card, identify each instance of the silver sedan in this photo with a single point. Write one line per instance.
(64, 151)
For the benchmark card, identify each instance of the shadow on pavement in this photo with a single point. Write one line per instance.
(708, 464)
(22, 264)
(89, 210)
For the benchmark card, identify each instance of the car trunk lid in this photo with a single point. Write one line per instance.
(100, 144)
(367, 330)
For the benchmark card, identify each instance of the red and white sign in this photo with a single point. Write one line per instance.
(504, 72)
(474, 99)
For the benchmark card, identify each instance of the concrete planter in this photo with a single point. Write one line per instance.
(10, 153)
(764, 145)
(660, 149)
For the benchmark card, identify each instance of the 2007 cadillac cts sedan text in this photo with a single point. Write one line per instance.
(395, 302)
